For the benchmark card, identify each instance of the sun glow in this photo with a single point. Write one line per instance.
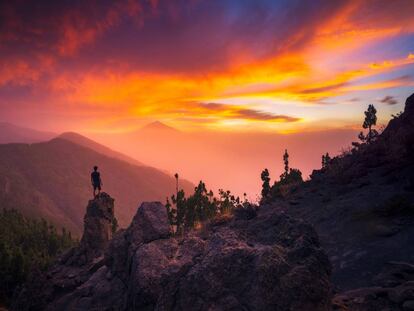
(255, 80)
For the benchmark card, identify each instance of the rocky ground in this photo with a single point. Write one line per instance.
(394, 291)
(248, 261)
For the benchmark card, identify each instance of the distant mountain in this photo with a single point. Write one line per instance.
(52, 180)
(89, 143)
(10, 133)
(158, 126)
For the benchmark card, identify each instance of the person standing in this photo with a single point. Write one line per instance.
(96, 181)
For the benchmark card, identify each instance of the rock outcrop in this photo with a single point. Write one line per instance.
(98, 226)
(266, 261)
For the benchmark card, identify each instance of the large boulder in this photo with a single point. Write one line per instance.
(267, 261)
(271, 262)
(150, 223)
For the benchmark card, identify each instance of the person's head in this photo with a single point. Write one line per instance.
(95, 168)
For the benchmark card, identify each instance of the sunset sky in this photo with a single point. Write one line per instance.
(282, 66)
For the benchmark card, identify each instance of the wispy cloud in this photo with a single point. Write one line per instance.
(389, 100)
(241, 112)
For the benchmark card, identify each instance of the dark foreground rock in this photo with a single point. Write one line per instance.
(394, 291)
(266, 261)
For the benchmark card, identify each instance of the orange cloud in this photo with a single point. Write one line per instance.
(178, 97)
(312, 62)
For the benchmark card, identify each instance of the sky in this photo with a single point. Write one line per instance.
(214, 65)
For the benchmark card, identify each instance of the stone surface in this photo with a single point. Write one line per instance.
(259, 260)
(408, 305)
(98, 225)
(394, 290)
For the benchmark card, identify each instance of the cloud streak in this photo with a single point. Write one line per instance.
(240, 112)
(389, 100)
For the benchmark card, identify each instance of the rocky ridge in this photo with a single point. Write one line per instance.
(249, 261)
(362, 207)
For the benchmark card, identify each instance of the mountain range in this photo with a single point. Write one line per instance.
(52, 179)
(10, 133)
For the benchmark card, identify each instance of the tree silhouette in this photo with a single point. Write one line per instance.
(180, 211)
(326, 159)
(266, 184)
(290, 177)
(176, 182)
(286, 163)
(369, 121)
(198, 207)
(171, 212)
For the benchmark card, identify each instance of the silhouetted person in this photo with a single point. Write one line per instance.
(96, 180)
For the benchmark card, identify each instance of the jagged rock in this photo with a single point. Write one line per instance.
(98, 228)
(149, 224)
(256, 261)
(98, 225)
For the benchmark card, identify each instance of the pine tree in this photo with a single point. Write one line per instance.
(180, 207)
(369, 121)
(286, 162)
(266, 184)
(176, 182)
(26, 244)
(170, 212)
(198, 208)
(326, 159)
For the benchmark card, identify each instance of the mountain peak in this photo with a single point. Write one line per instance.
(71, 134)
(158, 126)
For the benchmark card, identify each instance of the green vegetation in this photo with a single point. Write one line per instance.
(26, 244)
(289, 178)
(185, 213)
